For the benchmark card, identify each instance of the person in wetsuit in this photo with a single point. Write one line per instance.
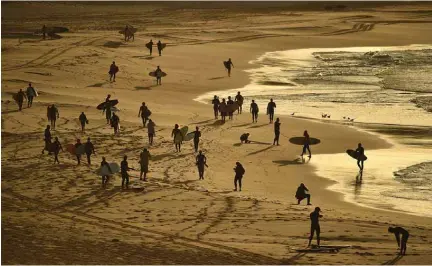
(158, 74)
(83, 120)
(306, 144)
(201, 161)
(57, 148)
(31, 93)
(115, 123)
(398, 232)
(254, 110)
(47, 139)
(216, 104)
(151, 131)
(222, 109)
(196, 140)
(360, 157)
(124, 167)
(239, 172)
(144, 163)
(315, 227)
(239, 100)
(159, 47)
(270, 110)
(177, 140)
(144, 113)
(302, 193)
(276, 132)
(78, 156)
(20, 98)
(231, 113)
(228, 66)
(150, 44)
(53, 115)
(89, 150)
(105, 177)
(113, 71)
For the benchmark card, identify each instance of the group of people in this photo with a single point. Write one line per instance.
(28, 95)
(158, 45)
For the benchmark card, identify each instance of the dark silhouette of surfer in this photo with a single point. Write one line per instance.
(228, 65)
(115, 123)
(124, 168)
(158, 74)
(398, 232)
(315, 227)
(78, 156)
(57, 147)
(239, 100)
(270, 110)
(196, 140)
(230, 114)
(151, 131)
(47, 139)
(144, 163)
(150, 46)
(44, 32)
(105, 177)
(360, 157)
(276, 132)
(144, 113)
(52, 115)
(245, 138)
(239, 172)
(254, 110)
(159, 47)
(83, 120)
(216, 104)
(89, 150)
(302, 193)
(201, 162)
(306, 144)
(113, 71)
(107, 109)
(177, 140)
(222, 109)
(31, 93)
(20, 98)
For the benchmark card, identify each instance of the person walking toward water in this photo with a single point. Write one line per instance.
(216, 104)
(158, 74)
(144, 113)
(306, 144)
(124, 168)
(177, 137)
(89, 150)
(151, 131)
(144, 163)
(53, 115)
(115, 123)
(270, 110)
(254, 110)
(20, 98)
(229, 102)
(245, 138)
(57, 148)
(360, 157)
(78, 156)
(302, 193)
(83, 120)
(113, 71)
(201, 161)
(31, 93)
(47, 139)
(239, 172)
(276, 132)
(150, 46)
(228, 66)
(159, 47)
(222, 109)
(197, 136)
(398, 231)
(315, 227)
(105, 177)
(239, 100)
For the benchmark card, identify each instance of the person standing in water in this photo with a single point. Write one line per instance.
(201, 162)
(144, 113)
(83, 120)
(239, 172)
(254, 110)
(31, 93)
(315, 227)
(216, 104)
(151, 131)
(276, 132)
(158, 74)
(124, 168)
(53, 115)
(89, 150)
(144, 163)
(239, 100)
(398, 231)
(47, 139)
(159, 47)
(302, 193)
(177, 137)
(360, 157)
(57, 148)
(196, 140)
(78, 156)
(113, 71)
(228, 66)
(270, 110)
(306, 144)
(105, 177)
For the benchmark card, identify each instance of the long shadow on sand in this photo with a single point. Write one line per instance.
(214, 78)
(217, 123)
(393, 261)
(202, 122)
(169, 155)
(111, 44)
(293, 259)
(287, 162)
(148, 88)
(146, 57)
(242, 125)
(258, 126)
(262, 150)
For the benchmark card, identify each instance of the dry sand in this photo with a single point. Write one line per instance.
(59, 214)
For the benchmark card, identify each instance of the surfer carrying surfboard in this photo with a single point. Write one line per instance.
(306, 144)
(177, 137)
(360, 157)
(239, 100)
(105, 177)
(149, 45)
(228, 65)
(159, 47)
(201, 161)
(158, 74)
(83, 120)
(270, 110)
(31, 93)
(254, 110)
(216, 104)
(113, 71)
(144, 163)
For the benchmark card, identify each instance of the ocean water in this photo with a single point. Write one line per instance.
(373, 86)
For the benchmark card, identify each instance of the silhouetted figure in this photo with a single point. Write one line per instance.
(113, 71)
(360, 157)
(177, 137)
(20, 98)
(229, 102)
(158, 74)
(398, 231)
(228, 66)
(315, 227)
(216, 104)
(53, 115)
(144, 163)
(44, 32)
(31, 93)
(197, 136)
(201, 162)
(47, 139)
(276, 132)
(126, 33)
(239, 172)
(107, 109)
(254, 110)
(302, 193)
(245, 138)
(159, 47)
(115, 123)
(105, 177)
(151, 131)
(222, 109)
(89, 150)
(239, 100)
(150, 46)
(124, 168)
(270, 110)
(144, 113)
(57, 148)
(83, 121)
(78, 156)
(306, 144)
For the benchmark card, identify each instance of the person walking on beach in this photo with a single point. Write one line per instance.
(78, 156)
(302, 193)
(44, 31)
(151, 131)
(47, 139)
(115, 123)
(360, 157)
(228, 66)
(31, 93)
(124, 168)
(53, 115)
(222, 109)
(57, 148)
(270, 110)
(196, 140)
(276, 132)
(144, 113)
(398, 231)
(254, 110)
(113, 71)
(83, 120)
(89, 150)
(239, 172)
(158, 74)
(150, 46)
(177, 137)
(144, 163)
(201, 161)
(105, 177)
(20, 99)
(239, 100)
(159, 47)
(306, 144)
(107, 110)
(216, 104)
(244, 138)
(230, 113)
(315, 227)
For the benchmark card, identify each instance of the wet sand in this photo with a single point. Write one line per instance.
(50, 212)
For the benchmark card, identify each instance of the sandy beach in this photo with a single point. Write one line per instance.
(60, 214)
